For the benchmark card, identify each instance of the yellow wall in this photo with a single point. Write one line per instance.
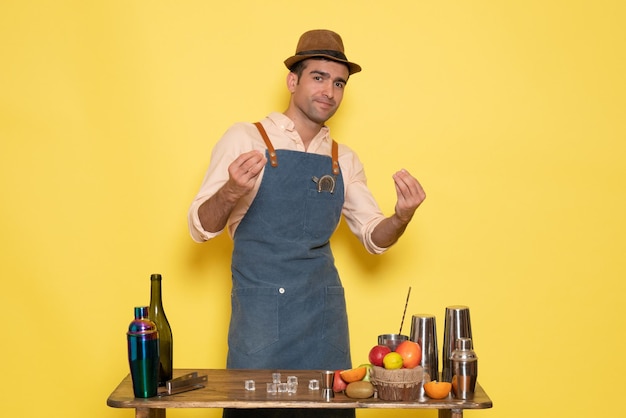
(510, 113)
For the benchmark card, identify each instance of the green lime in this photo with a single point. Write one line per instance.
(369, 371)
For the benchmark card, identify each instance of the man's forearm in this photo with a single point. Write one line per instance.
(388, 231)
(214, 213)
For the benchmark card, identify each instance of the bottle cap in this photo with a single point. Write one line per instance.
(155, 277)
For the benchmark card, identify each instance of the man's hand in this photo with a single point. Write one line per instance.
(410, 195)
(242, 174)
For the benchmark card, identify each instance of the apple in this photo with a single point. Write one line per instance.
(377, 353)
(338, 384)
(411, 353)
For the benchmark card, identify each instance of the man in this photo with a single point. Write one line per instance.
(280, 187)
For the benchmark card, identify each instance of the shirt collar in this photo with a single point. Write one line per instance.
(282, 121)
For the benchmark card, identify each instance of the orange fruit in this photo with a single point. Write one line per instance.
(411, 353)
(437, 390)
(393, 361)
(353, 375)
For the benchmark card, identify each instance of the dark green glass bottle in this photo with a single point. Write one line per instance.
(157, 315)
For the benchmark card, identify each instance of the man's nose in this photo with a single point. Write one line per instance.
(329, 90)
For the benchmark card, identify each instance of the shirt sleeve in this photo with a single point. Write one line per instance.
(360, 210)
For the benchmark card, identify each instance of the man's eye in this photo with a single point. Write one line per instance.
(317, 78)
(340, 85)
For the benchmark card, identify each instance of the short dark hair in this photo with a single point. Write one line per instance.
(298, 67)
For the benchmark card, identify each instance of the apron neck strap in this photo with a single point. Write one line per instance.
(274, 158)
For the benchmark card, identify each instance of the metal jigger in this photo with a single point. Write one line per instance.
(327, 385)
(457, 326)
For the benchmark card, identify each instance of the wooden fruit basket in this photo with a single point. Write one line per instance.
(397, 385)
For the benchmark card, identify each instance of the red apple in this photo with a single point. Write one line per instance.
(377, 353)
(338, 384)
(411, 353)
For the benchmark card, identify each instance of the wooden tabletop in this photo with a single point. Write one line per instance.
(225, 389)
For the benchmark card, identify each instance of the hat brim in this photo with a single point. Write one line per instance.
(352, 67)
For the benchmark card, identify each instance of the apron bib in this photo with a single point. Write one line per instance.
(288, 304)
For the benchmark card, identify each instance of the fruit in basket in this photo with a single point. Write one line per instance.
(377, 353)
(392, 361)
(338, 384)
(368, 367)
(353, 375)
(437, 390)
(360, 390)
(411, 353)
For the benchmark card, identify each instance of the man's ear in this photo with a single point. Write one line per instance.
(292, 81)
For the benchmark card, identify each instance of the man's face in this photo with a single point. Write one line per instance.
(317, 94)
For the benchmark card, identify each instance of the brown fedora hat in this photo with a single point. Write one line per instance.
(321, 43)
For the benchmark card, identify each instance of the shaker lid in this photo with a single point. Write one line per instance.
(463, 343)
(141, 324)
(464, 350)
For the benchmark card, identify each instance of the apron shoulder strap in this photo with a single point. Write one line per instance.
(272, 152)
(268, 144)
(335, 157)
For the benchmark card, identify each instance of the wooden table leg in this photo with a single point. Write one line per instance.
(450, 413)
(149, 413)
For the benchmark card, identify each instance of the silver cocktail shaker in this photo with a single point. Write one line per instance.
(424, 332)
(457, 325)
(464, 369)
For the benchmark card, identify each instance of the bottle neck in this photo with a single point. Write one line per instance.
(155, 294)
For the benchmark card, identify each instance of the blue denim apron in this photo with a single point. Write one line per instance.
(288, 304)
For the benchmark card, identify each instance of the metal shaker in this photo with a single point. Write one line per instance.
(143, 354)
(457, 325)
(465, 369)
(424, 332)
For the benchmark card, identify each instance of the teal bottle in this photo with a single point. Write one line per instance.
(157, 315)
(143, 354)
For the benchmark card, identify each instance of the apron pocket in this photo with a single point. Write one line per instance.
(335, 331)
(254, 319)
(321, 216)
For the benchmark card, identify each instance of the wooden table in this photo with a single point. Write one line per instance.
(225, 389)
